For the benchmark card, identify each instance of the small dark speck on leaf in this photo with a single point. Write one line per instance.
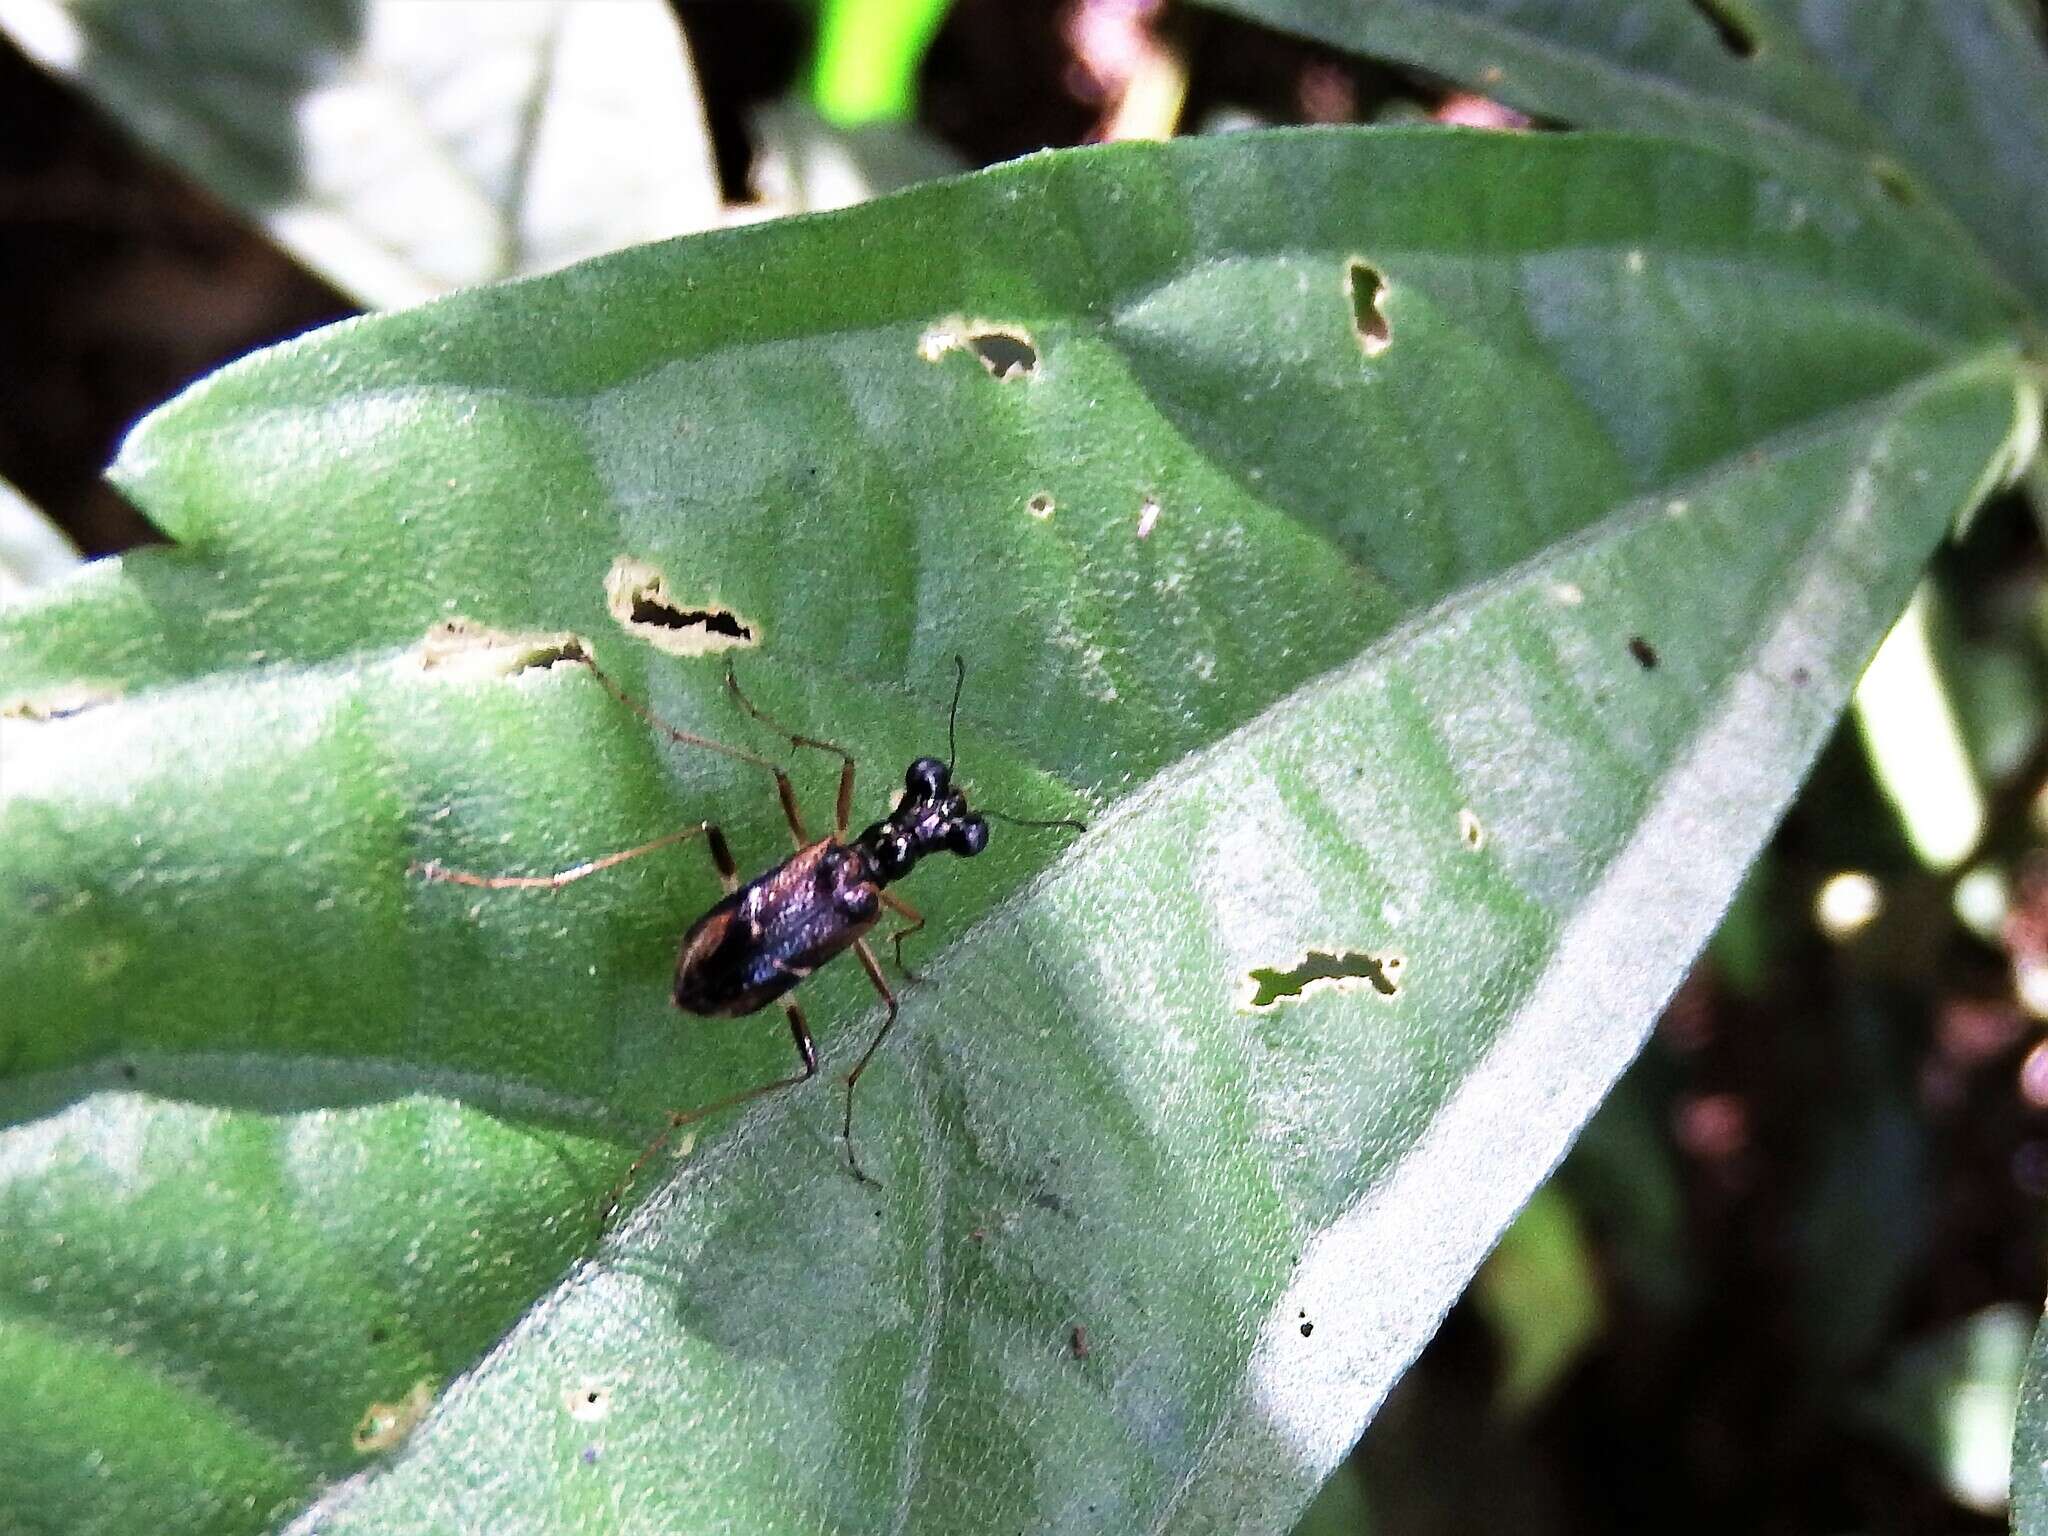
(590, 1455)
(129, 1071)
(1079, 1340)
(1644, 652)
(379, 1335)
(1801, 677)
(1307, 1327)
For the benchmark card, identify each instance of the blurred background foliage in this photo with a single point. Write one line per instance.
(1787, 1278)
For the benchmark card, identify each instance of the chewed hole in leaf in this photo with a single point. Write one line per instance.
(384, 1425)
(462, 650)
(58, 703)
(1368, 290)
(1343, 969)
(1006, 351)
(1735, 30)
(1040, 505)
(1004, 354)
(1471, 831)
(637, 595)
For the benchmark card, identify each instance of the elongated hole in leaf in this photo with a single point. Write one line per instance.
(462, 650)
(638, 597)
(1735, 30)
(60, 702)
(1367, 289)
(1339, 968)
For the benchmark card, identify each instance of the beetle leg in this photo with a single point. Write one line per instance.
(433, 869)
(783, 789)
(874, 970)
(844, 808)
(799, 1031)
(914, 920)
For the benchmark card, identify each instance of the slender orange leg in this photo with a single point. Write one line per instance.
(844, 809)
(799, 1031)
(874, 970)
(434, 869)
(914, 920)
(783, 789)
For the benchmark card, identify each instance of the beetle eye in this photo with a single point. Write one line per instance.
(969, 837)
(926, 779)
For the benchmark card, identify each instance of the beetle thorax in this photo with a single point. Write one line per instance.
(932, 817)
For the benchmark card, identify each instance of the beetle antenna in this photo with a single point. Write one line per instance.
(953, 714)
(1020, 821)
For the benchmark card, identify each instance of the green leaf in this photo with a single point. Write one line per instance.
(399, 149)
(1440, 553)
(1940, 104)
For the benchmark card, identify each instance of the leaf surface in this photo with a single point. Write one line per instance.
(1940, 104)
(1477, 659)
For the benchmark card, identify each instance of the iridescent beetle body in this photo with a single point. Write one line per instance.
(761, 940)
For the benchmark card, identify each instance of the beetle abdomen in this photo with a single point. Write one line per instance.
(771, 933)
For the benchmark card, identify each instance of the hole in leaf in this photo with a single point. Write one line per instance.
(1004, 355)
(637, 595)
(1735, 30)
(1039, 506)
(384, 1425)
(1006, 351)
(1367, 289)
(1644, 652)
(58, 703)
(1470, 832)
(463, 651)
(1270, 986)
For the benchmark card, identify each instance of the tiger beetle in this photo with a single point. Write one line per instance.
(765, 936)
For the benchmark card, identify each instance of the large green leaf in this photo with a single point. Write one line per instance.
(1941, 103)
(403, 149)
(1494, 645)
